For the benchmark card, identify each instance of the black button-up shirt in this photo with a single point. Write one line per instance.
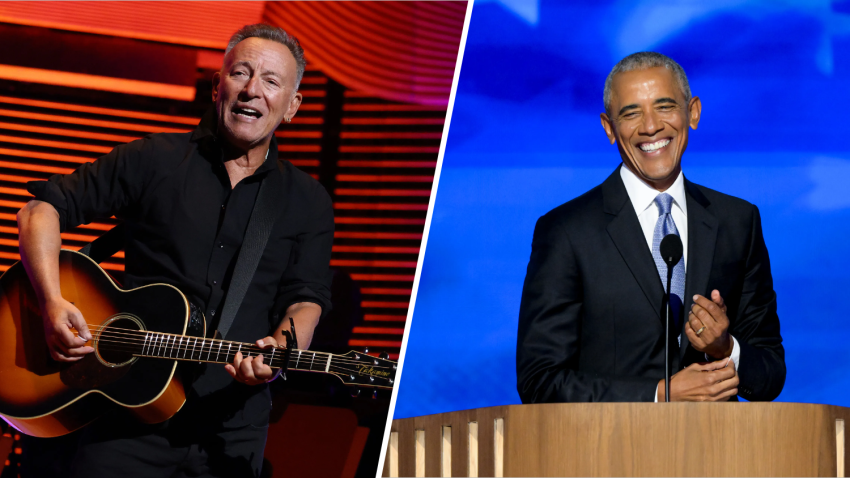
(185, 225)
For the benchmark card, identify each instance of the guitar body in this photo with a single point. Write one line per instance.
(45, 398)
(139, 336)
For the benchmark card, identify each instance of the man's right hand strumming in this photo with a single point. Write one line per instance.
(709, 382)
(40, 242)
(65, 330)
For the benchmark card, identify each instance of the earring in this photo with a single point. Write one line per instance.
(288, 120)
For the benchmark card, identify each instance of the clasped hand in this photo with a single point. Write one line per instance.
(703, 382)
(708, 332)
(708, 326)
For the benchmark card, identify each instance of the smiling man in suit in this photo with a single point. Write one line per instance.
(591, 325)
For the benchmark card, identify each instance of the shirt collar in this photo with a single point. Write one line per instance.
(271, 158)
(207, 127)
(642, 195)
(207, 131)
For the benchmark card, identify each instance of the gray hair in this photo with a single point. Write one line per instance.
(642, 61)
(276, 34)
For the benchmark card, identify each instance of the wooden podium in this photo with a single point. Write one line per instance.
(623, 439)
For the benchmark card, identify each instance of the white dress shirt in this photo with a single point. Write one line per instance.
(642, 196)
(643, 199)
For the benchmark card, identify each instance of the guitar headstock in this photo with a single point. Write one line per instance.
(360, 369)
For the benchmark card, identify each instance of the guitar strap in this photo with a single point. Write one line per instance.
(106, 245)
(267, 208)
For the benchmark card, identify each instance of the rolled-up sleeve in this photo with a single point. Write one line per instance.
(99, 189)
(308, 277)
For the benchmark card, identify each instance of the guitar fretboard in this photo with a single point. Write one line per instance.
(199, 349)
(351, 368)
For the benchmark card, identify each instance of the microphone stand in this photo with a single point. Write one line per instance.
(671, 251)
(667, 335)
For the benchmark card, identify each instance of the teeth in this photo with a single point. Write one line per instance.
(247, 111)
(649, 147)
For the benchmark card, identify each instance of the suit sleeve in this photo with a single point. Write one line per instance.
(549, 335)
(762, 365)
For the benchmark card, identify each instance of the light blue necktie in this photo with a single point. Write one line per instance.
(664, 226)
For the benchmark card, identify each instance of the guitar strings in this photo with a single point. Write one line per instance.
(140, 337)
(210, 347)
(174, 352)
(332, 370)
(167, 349)
(337, 369)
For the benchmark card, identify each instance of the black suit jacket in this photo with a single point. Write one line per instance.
(591, 327)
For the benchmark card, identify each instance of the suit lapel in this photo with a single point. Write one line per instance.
(628, 237)
(702, 236)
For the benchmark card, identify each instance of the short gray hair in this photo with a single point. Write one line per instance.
(642, 61)
(276, 34)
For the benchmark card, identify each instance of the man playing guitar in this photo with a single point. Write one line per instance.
(185, 200)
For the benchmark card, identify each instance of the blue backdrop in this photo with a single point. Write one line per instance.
(525, 137)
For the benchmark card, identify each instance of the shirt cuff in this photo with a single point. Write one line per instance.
(656, 394)
(736, 352)
(736, 357)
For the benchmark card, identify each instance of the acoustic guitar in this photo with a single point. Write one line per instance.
(139, 336)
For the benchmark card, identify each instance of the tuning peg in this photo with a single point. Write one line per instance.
(355, 392)
(384, 355)
(374, 394)
(365, 350)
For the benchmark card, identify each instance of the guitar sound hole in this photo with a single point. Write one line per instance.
(118, 340)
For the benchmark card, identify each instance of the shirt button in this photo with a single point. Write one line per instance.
(222, 207)
(212, 312)
(215, 282)
(220, 245)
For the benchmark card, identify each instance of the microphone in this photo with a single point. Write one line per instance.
(671, 251)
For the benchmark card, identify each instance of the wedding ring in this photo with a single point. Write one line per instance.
(700, 330)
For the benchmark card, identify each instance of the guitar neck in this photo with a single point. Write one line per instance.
(199, 349)
(352, 368)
